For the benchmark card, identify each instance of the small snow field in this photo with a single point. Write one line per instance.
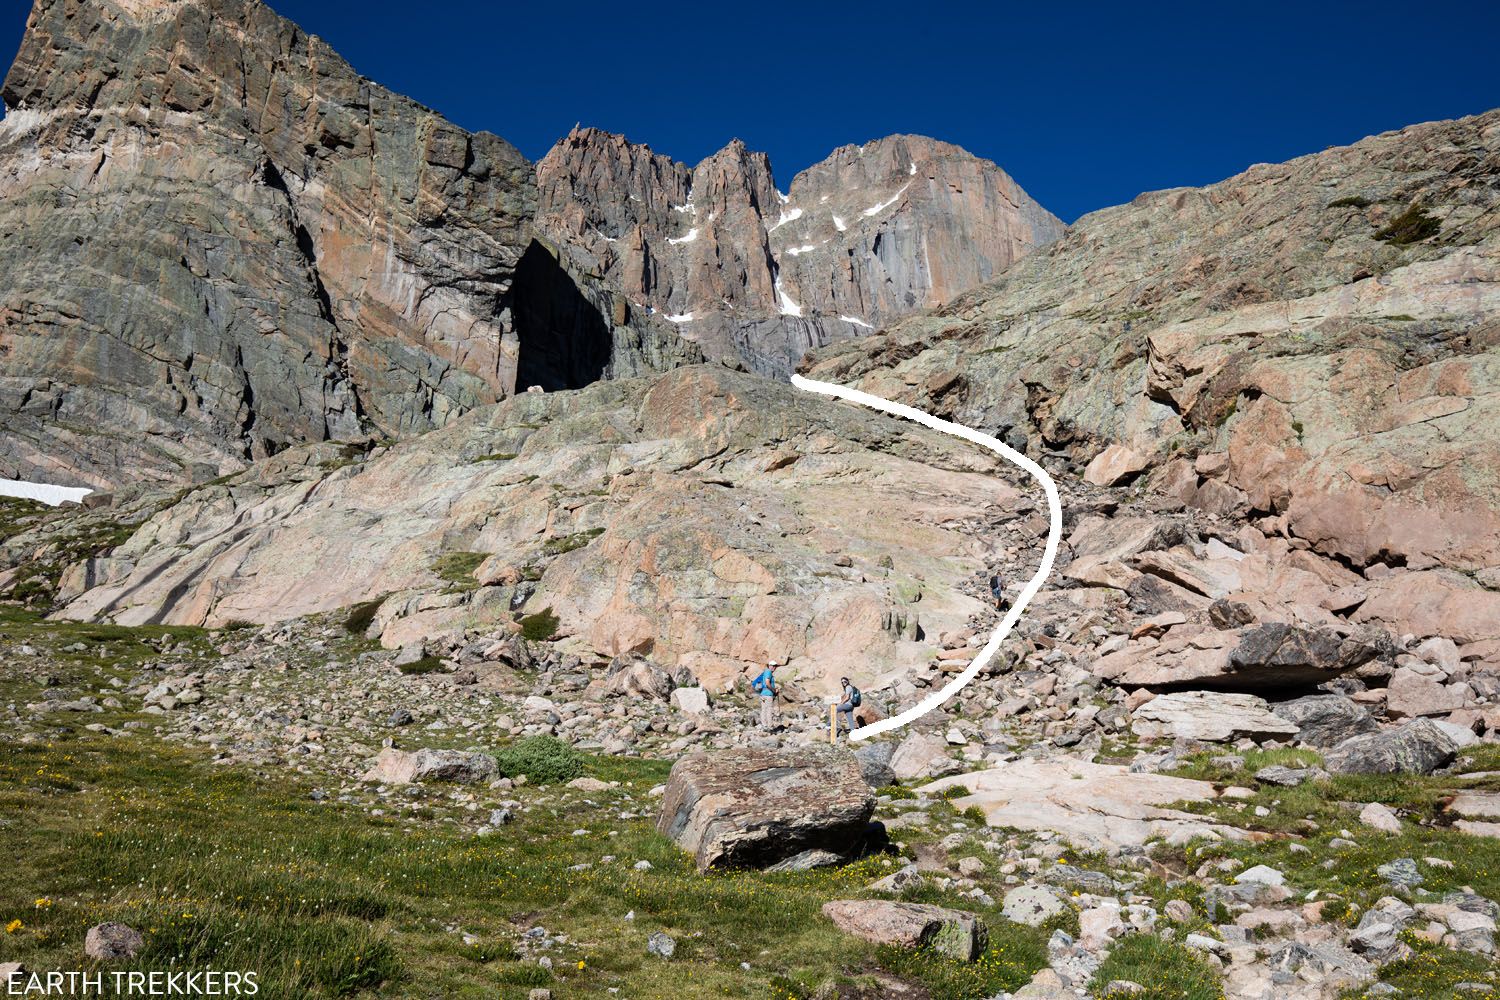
(45, 492)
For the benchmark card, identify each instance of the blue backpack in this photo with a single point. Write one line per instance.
(765, 679)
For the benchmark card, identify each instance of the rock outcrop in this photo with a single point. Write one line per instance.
(872, 233)
(755, 808)
(1099, 807)
(709, 518)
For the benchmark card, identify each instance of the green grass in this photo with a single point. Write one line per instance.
(1412, 226)
(499, 456)
(1314, 814)
(1167, 970)
(568, 543)
(1432, 972)
(224, 867)
(457, 568)
(539, 627)
(1351, 201)
(1201, 765)
(426, 665)
(360, 616)
(1014, 954)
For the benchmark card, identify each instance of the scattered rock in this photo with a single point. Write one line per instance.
(110, 940)
(954, 933)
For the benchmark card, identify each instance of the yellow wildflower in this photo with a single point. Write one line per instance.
(14, 926)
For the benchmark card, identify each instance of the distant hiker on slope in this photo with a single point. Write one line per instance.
(852, 699)
(997, 592)
(765, 686)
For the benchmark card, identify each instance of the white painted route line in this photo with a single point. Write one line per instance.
(1054, 535)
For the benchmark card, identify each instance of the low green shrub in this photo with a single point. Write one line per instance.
(545, 760)
(539, 627)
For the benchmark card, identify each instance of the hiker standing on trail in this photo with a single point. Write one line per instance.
(846, 708)
(997, 591)
(765, 686)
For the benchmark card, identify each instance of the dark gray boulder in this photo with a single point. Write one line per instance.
(875, 763)
(1326, 719)
(1278, 653)
(753, 808)
(1416, 748)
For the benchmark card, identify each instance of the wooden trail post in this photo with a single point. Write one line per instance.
(833, 723)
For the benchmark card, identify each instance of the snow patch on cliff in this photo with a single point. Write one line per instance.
(45, 492)
(877, 209)
(784, 301)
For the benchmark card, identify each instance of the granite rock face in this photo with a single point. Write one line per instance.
(1313, 342)
(710, 518)
(748, 273)
(219, 240)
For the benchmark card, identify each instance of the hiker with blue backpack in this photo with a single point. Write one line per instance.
(852, 699)
(765, 686)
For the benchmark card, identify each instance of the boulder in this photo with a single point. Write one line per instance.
(1380, 817)
(1417, 691)
(1211, 716)
(959, 935)
(1032, 905)
(1115, 464)
(397, 767)
(1281, 655)
(110, 940)
(690, 700)
(1324, 720)
(1417, 747)
(751, 808)
(875, 763)
(632, 675)
(1265, 657)
(923, 755)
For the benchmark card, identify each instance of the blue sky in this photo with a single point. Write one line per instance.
(1086, 105)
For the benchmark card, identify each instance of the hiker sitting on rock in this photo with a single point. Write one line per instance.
(765, 686)
(846, 708)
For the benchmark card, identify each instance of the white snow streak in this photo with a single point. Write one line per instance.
(784, 302)
(856, 321)
(692, 234)
(913, 170)
(886, 204)
(786, 217)
(839, 224)
(794, 251)
(686, 317)
(45, 492)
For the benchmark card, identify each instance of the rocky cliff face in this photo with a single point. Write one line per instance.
(873, 233)
(219, 240)
(1312, 346)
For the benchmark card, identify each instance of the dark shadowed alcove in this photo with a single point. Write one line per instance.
(564, 339)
